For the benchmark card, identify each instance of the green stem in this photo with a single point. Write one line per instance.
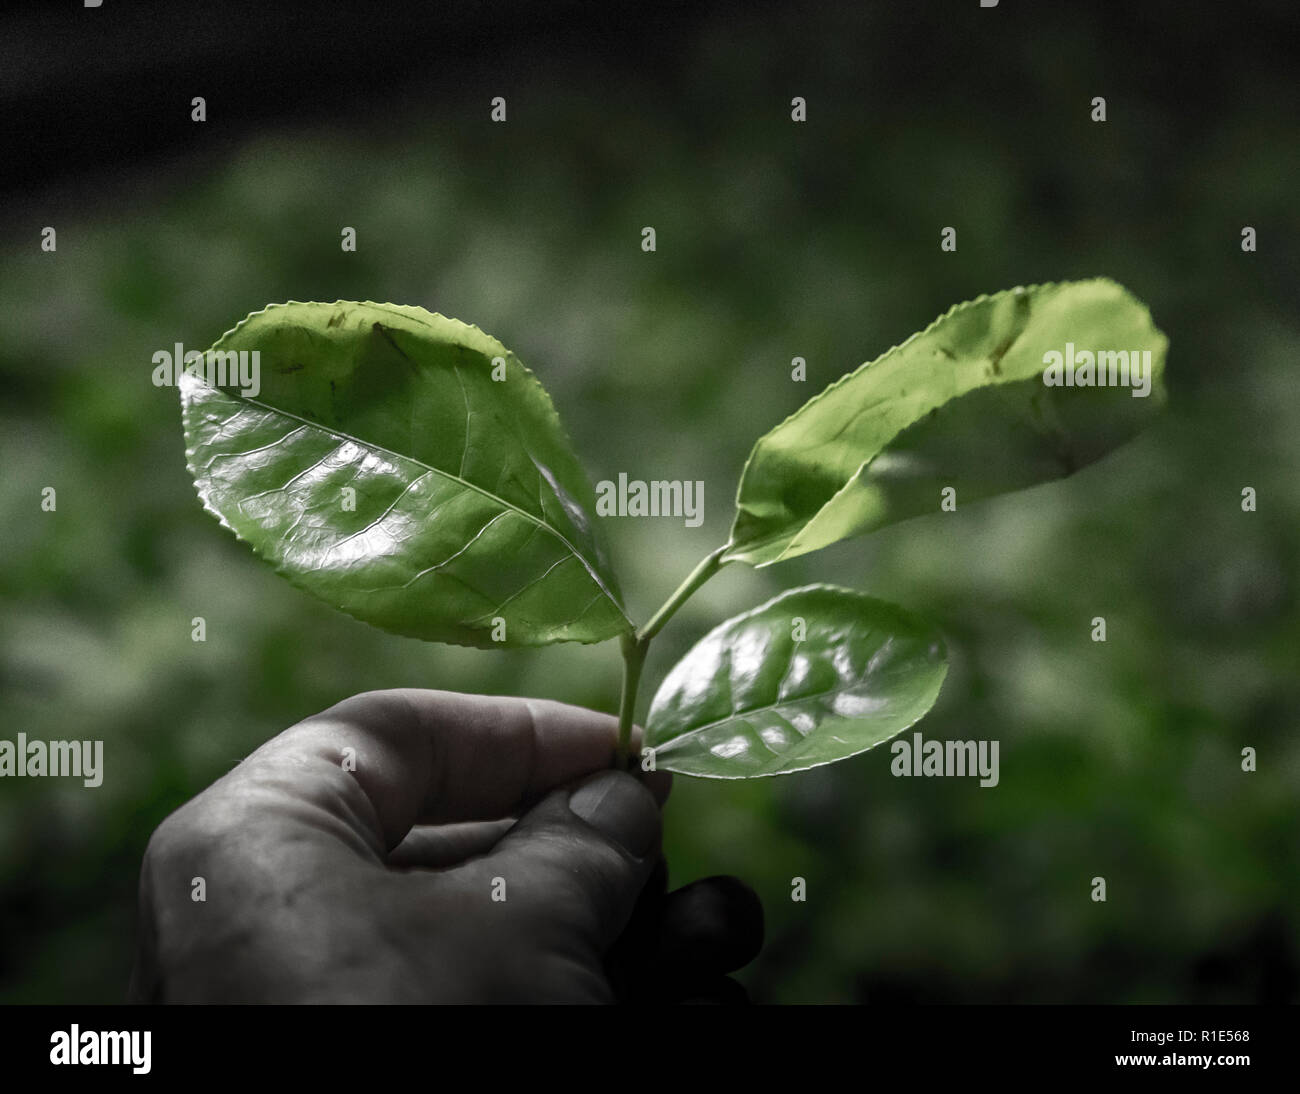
(635, 648)
(697, 577)
(633, 659)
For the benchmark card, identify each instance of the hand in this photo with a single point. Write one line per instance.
(369, 854)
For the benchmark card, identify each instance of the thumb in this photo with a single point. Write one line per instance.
(578, 860)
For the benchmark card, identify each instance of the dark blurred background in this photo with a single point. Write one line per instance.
(775, 240)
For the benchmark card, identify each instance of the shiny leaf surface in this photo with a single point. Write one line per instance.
(758, 697)
(961, 404)
(381, 467)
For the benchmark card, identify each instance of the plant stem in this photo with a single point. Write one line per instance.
(633, 659)
(635, 648)
(698, 576)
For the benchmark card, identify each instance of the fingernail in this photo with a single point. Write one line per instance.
(618, 806)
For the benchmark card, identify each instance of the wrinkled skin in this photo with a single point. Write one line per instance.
(362, 854)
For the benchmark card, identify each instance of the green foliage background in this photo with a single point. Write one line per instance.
(775, 240)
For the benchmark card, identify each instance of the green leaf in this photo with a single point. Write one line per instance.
(749, 699)
(961, 404)
(469, 504)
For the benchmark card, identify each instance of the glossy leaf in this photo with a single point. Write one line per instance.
(961, 404)
(751, 699)
(471, 520)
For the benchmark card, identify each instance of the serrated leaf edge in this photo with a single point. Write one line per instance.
(288, 574)
(826, 391)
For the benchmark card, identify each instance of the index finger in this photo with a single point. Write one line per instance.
(425, 756)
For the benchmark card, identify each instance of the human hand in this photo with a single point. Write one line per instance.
(370, 854)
